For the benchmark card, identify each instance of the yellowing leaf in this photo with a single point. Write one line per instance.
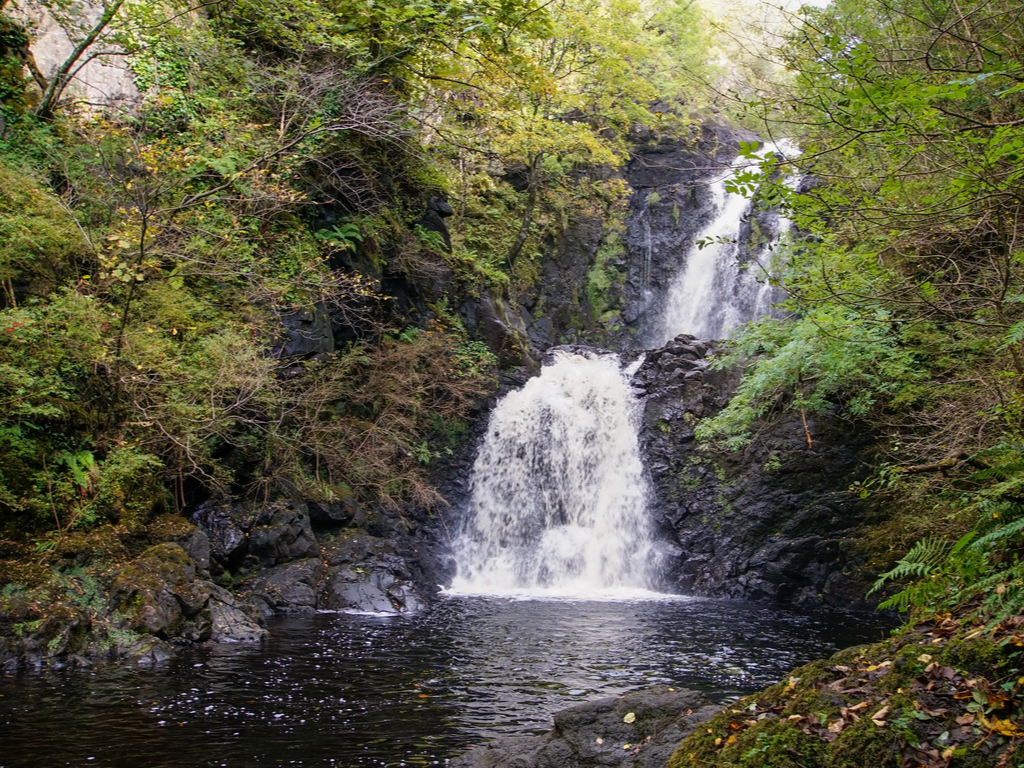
(1002, 727)
(629, 718)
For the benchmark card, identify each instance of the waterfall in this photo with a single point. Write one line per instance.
(716, 289)
(558, 503)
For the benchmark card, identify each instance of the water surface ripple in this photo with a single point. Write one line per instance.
(345, 690)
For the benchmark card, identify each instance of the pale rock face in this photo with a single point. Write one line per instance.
(103, 82)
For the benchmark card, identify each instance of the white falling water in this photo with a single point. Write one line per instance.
(714, 292)
(558, 498)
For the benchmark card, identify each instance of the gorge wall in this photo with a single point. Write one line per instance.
(775, 521)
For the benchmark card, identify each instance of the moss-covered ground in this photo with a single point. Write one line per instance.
(943, 693)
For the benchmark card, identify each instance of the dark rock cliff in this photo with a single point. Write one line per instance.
(604, 277)
(774, 521)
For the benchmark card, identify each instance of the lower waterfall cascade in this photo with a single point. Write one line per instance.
(558, 504)
(715, 290)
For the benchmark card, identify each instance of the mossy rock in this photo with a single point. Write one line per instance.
(158, 593)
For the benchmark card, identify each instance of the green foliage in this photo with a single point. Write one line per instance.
(148, 256)
(904, 307)
(15, 95)
(343, 236)
(982, 568)
(827, 359)
(603, 274)
(43, 242)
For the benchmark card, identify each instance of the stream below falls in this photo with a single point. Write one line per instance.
(358, 690)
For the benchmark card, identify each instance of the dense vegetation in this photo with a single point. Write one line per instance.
(907, 286)
(278, 163)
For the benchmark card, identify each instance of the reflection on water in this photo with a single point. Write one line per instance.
(341, 690)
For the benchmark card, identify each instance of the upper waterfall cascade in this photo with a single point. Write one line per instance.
(715, 289)
(558, 498)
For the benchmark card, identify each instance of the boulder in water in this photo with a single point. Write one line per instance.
(638, 730)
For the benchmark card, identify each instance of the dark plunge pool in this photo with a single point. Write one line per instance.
(345, 690)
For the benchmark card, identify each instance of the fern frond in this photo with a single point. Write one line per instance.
(923, 559)
(1000, 534)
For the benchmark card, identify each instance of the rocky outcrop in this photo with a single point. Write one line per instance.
(502, 330)
(282, 535)
(99, 81)
(637, 730)
(305, 334)
(288, 589)
(264, 560)
(276, 533)
(775, 521)
(161, 600)
(433, 219)
(285, 569)
(367, 574)
(294, 572)
(163, 595)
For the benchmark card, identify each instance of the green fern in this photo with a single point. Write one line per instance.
(923, 559)
(939, 569)
(1001, 534)
(985, 564)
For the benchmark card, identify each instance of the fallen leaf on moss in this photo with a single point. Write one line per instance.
(1002, 727)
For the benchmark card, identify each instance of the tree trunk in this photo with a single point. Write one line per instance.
(533, 192)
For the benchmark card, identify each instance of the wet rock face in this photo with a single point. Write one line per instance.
(284, 534)
(367, 574)
(352, 572)
(638, 730)
(663, 160)
(605, 277)
(289, 589)
(275, 533)
(305, 333)
(772, 522)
